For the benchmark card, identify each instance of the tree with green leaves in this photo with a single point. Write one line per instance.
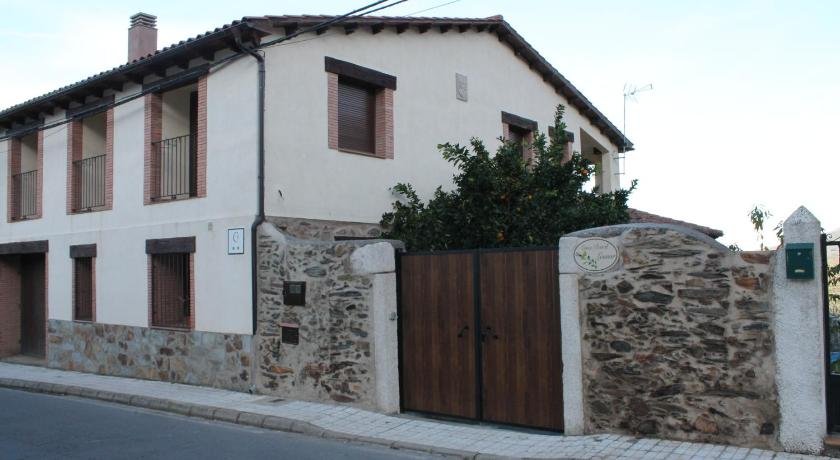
(504, 200)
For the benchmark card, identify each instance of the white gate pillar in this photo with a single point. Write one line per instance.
(800, 352)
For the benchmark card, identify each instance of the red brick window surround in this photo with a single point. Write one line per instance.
(25, 164)
(171, 283)
(84, 282)
(175, 143)
(360, 109)
(90, 163)
(520, 130)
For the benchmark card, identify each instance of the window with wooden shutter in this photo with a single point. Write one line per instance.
(356, 117)
(83, 289)
(360, 109)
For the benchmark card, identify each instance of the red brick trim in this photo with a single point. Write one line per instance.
(192, 291)
(9, 307)
(332, 110)
(384, 128)
(74, 153)
(153, 128)
(109, 159)
(201, 139)
(149, 290)
(383, 122)
(46, 304)
(13, 167)
(39, 193)
(93, 289)
(505, 131)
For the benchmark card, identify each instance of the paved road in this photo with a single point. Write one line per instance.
(39, 426)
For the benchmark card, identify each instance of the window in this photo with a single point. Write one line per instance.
(360, 109)
(356, 117)
(176, 142)
(83, 289)
(84, 282)
(90, 144)
(25, 160)
(171, 290)
(520, 130)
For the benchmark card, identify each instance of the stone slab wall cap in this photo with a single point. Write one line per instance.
(801, 216)
(613, 231)
(373, 258)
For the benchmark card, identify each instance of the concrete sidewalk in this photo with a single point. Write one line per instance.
(347, 423)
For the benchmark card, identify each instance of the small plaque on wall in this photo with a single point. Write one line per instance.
(236, 241)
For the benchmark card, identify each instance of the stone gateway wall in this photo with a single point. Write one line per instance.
(191, 357)
(346, 329)
(678, 339)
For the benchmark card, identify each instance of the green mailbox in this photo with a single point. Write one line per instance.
(800, 261)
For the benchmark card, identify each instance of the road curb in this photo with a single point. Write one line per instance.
(268, 422)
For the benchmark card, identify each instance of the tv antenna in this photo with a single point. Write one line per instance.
(630, 92)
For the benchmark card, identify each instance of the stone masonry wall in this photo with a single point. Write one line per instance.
(191, 357)
(678, 341)
(335, 357)
(325, 230)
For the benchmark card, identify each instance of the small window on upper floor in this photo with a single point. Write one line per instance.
(521, 131)
(360, 109)
(356, 117)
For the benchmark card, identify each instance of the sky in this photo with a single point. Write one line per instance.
(744, 109)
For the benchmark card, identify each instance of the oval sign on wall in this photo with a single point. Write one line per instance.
(596, 255)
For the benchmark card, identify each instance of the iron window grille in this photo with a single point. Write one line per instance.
(171, 291)
(25, 191)
(89, 183)
(83, 290)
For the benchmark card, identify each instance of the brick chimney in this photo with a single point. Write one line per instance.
(142, 36)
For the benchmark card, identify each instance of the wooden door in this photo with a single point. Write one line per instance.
(522, 366)
(438, 340)
(33, 305)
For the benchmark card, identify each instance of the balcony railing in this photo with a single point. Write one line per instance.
(25, 192)
(175, 168)
(89, 183)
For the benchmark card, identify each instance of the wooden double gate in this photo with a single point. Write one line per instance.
(480, 336)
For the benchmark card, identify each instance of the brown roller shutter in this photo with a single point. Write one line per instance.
(355, 117)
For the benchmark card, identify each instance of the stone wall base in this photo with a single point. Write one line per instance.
(190, 357)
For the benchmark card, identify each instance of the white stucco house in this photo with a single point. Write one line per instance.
(132, 196)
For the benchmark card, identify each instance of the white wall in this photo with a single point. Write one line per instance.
(175, 110)
(29, 153)
(320, 183)
(93, 135)
(223, 288)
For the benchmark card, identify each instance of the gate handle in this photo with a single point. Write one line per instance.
(489, 331)
(463, 329)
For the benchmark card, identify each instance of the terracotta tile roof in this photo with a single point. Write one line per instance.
(642, 217)
(260, 26)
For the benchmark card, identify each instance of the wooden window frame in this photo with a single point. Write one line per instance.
(380, 87)
(168, 251)
(527, 128)
(79, 254)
